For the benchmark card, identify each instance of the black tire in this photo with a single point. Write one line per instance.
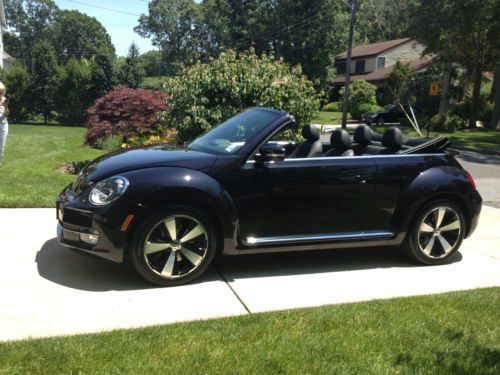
(424, 240)
(153, 266)
(380, 121)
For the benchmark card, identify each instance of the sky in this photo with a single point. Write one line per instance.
(120, 26)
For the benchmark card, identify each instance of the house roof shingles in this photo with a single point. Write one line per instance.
(384, 73)
(373, 49)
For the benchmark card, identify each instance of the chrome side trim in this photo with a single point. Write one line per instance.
(354, 157)
(317, 237)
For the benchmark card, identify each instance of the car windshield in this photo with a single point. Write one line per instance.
(230, 136)
(389, 107)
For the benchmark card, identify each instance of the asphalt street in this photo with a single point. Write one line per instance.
(485, 169)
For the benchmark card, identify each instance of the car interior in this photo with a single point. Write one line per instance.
(363, 142)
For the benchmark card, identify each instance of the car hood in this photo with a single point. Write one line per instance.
(139, 158)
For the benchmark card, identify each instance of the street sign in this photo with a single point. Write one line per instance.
(434, 88)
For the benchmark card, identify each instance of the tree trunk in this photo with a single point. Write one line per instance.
(445, 87)
(495, 95)
(476, 91)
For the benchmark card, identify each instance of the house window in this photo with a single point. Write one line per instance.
(341, 67)
(360, 66)
(381, 62)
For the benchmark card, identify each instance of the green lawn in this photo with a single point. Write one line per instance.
(454, 333)
(328, 118)
(28, 177)
(478, 138)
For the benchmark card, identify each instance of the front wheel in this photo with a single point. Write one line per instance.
(380, 121)
(174, 246)
(436, 234)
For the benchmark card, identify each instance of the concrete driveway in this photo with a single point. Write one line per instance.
(49, 290)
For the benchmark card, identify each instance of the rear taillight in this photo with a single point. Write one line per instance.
(471, 180)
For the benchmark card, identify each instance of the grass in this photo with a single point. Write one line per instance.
(153, 83)
(453, 333)
(328, 118)
(28, 176)
(477, 138)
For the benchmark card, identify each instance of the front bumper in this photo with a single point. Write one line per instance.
(94, 230)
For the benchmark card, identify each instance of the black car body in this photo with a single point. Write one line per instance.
(241, 189)
(391, 113)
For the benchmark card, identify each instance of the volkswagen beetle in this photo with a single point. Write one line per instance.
(242, 188)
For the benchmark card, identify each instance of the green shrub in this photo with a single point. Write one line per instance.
(18, 83)
(205, 95)
(486, 112)
(358, 111)
(446, 123)
(111, 143)
(360, 92)
(73, 94)
(333, 107)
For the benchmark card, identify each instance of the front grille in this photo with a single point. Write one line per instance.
(77, 217)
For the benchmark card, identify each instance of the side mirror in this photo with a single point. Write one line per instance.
(269, 153)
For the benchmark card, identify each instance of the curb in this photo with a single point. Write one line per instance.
(476, 150)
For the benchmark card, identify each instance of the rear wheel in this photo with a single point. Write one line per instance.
(174, 246)
(436, 233)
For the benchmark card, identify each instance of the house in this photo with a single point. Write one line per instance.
(375, 62)
(6, 59)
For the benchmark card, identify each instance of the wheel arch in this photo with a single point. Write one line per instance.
(437, 183)
(155, 189)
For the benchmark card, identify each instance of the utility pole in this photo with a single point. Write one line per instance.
(354, 4)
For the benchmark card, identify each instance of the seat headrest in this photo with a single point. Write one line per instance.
(340, 139)
(392, 138)
(363, 135)
(310, 132)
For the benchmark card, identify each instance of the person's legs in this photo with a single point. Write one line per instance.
(4, 129)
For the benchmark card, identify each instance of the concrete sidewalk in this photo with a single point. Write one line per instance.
(48, 290)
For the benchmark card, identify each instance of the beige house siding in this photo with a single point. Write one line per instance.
(406, 52)
(370, 64)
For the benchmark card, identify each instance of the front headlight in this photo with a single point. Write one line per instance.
(108, 190)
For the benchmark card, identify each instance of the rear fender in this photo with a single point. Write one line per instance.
(434, 183)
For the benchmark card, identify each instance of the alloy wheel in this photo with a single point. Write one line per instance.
(176, 246)
(439, 232)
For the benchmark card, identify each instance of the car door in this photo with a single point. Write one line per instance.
(305, 197)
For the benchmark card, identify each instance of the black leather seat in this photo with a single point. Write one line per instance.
(311, 147)
(363, 140)
(342, 144)
(392, 140)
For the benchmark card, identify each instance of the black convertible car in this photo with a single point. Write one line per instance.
(243, 189)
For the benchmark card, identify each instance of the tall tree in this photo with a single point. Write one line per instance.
(440, 25)
(174, 26)
(103, 74)
(73, 95)
(28, 20)
(380, 20)
(44, 81)
(132, 72)
(74, 34)
(494, 57)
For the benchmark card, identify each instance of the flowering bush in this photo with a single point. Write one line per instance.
(205, 95)
(170, 137)
(125, 112)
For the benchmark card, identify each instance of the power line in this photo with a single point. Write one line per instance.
(104, 8)
(315, 13)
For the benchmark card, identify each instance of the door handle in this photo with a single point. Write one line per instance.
(362, 179)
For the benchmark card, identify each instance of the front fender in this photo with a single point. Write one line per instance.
(152, 188)
(434, 183)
